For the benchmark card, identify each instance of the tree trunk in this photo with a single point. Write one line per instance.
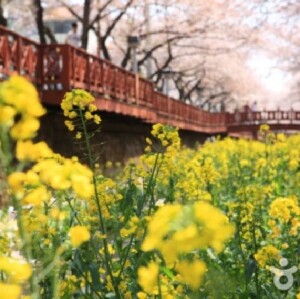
(3, 20)
(39, 20)
(104, 49)
(48, 32)
(86, 23)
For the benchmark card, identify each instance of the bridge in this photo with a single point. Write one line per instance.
(56, 68)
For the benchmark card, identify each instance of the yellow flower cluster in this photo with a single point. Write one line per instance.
(78, 235)
(28, 151)
(196, 174)
(264, 128)
(58, 174)
(175, 230)
(266, 255)
(10, 291)
(79, 103)
(168, 138)
(130, 228)
(148, 278)
(20, 108)
(191, 272)
(69, 285)
(109, 195)
(284, 209)
(153, 282)
(16, 272)
(284, 213)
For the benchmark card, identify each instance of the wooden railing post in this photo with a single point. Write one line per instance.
(137, 88)
(18, 54)
(102, 75)
(67, 67)
(40, 66)
(6, 56)
(87, 74)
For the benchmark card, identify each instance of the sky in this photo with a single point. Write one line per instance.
(275, 81)
(266, 58)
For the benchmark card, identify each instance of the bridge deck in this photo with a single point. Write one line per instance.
(55, 69)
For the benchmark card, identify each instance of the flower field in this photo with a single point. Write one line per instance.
(219, 221)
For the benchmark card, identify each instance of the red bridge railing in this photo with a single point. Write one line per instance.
(56, 69)
(18, 54)
(66, 67)
(261, 117)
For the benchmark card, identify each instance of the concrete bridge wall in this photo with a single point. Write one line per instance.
(119, 138)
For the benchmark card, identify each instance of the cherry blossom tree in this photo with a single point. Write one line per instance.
(199, 49)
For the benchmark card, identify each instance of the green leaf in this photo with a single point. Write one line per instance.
(168, 272)
(127, 201)
(251, 266)
(267, 288)
(110, 295)
(94, 269)
(78, 261)
(278, 189)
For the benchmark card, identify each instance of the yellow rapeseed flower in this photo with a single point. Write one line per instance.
(266, 254)
(18, 271)
(264, 128)
(284, 208)
(78, 235)
(69, 124)
(16, 181)
(79, 102)
(97, 119)
(148, 278)
(25, 128)
(78, 135)
(28, 151)
(176, 229)
(37, 196)
(191, 273)
(10, 291)
(142, 295)
(88, 115)
(22, 95)
(7, 114)
(18, 97)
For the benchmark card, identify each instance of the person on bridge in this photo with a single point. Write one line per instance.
(254, 107)
(73, 38)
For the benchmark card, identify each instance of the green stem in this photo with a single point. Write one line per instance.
(153, 183)
(99, 209)
(73, 210)
(148, 186)
(26, 248)
(159, 287)
(256, 269)
(125, 256)
(6, 153)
